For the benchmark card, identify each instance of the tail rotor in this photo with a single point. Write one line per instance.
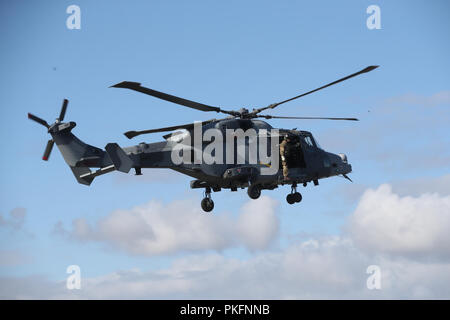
(50, 143)
(63, 110)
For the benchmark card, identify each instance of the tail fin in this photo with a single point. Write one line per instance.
(76, 152)
(118, 157)
(79, 155)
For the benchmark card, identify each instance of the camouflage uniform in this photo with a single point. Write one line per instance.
(283, 157)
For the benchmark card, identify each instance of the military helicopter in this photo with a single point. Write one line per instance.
(306, 161)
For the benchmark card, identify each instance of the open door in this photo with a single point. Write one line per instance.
(294, 154)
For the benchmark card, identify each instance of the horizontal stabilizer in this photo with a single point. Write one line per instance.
(119, 158)
(96, 173)
(78, 172)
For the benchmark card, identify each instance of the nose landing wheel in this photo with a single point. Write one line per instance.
(207, 203)
(294, 196)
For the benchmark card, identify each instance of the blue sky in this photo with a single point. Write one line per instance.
(232, 54)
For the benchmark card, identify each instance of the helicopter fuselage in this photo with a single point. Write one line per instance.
(307, 161)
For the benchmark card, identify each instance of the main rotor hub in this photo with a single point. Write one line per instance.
(243, 112)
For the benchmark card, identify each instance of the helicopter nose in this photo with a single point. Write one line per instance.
(343, 157)
(344, 167)
(340, 164)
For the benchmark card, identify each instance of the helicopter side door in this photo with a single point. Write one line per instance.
(294, 154)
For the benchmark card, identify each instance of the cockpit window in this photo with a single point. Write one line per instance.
(317, 143)
(308, 141)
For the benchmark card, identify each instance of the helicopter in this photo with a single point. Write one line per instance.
(306, 161)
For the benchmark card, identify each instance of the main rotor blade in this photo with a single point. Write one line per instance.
(38, 120)
(48, 150)
(132, 134)
(63, 110)
(136, 86)
(365, 70)
(305, 118)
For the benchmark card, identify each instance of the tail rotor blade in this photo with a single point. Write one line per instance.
(63, 110)
(38, 120)
(48, 150)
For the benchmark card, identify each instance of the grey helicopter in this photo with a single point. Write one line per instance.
(301, 160)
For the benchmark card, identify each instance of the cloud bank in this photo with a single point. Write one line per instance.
(156, 228)
(326, 268)
(16, 219)
(406, 236)
(384, 222)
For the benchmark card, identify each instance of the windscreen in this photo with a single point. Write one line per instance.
(309, 140)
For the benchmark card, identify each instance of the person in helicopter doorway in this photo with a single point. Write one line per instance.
(284, 153)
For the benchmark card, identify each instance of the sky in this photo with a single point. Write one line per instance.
(145, 237)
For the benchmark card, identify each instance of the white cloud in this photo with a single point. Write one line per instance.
(258, 225)
(387, 223)
(13, 258)
(14, 223)
(397, 233)
(157, 228)
(330, 268)
(16, 219)
(418, 186)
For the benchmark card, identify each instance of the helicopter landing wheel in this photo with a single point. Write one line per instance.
(207, 203)
(294, 196)
(254, 191)
(297, 196)
(290, 198)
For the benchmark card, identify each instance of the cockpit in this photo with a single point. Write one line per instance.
(297, 143)
(308, 139)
